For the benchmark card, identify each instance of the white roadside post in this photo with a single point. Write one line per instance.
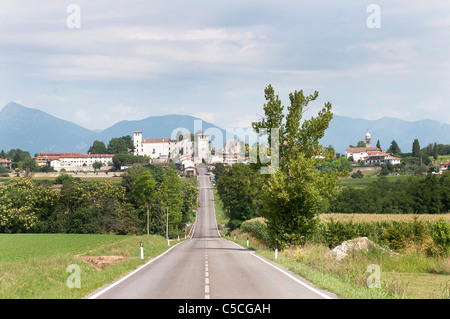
(276, 251)
(247, 241)
(142, 250)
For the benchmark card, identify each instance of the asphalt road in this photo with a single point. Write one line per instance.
(210, 267)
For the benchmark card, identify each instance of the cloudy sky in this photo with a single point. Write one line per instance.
(125, 60)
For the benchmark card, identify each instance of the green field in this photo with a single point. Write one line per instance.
(35, 265)
(369, 177)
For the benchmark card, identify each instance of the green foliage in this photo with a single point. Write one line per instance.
(292, 195)
(358, 174)
(120, 145)
(258, 230)
(22, 204)
(415, 194)
(120, 160)
(341, 164)
(239, 189)
(98, 147)
(441, 235)
(334, 233)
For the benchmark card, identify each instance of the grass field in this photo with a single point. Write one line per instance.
(369, 176)
(35, 265)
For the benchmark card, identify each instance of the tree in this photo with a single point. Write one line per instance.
(170, 196)
(361, 144)
(435, 152)
(120, 145)
(98, 147)
(394, 148)
(293, 193)
(378, 144)
(416, 148)
(239, 190)
(144, 190)
(97, 165)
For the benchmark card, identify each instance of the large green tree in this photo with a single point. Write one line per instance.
(293, 193)
(120, 145)
(416, 148)
(98, 147)
(144, 190)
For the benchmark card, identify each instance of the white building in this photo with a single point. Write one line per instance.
(76, 161)
(202, 148)
(379, 157)
(153, 147)
(360, 153)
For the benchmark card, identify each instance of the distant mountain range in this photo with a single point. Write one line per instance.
(35, 131)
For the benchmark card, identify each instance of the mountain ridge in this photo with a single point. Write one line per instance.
(36, 131)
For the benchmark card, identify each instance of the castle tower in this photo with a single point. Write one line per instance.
(368, 139)
(137, 139)
(202, 148)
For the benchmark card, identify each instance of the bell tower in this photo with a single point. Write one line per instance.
(368, 139)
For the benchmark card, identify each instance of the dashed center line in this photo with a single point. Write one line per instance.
(207, 295)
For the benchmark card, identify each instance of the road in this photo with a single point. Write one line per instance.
(210, 267)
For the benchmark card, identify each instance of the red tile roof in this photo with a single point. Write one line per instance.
(156, 140)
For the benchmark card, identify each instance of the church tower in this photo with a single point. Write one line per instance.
(368, 139)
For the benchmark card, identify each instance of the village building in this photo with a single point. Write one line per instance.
(152, 147)
(380, 157)
(5, 163)
(166, 149)
(44, 159)
(370, 155)
(73, 161)
(360, 153)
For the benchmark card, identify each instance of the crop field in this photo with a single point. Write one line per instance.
(368, 218)
(37, 265)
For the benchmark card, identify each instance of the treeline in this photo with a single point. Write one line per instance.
(94, 207)
(22, 161)
(428, 194)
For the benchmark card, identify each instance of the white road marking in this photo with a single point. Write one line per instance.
(287, 274)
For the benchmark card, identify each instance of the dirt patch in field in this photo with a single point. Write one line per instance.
(101, 262)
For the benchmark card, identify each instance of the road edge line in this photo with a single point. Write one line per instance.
(287, 274)
(112, 285)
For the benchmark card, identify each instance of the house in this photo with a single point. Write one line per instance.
(380, 157)
(44, 159)
(444, 166)
(5, 163)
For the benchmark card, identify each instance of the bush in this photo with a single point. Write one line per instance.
(441, 235)
(257, 229)
(334, 233)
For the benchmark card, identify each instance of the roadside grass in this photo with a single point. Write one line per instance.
(34, 266)
(409, 274)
